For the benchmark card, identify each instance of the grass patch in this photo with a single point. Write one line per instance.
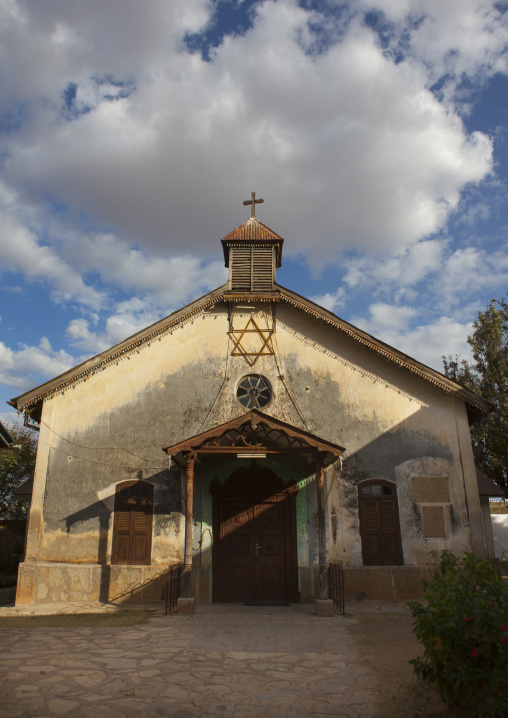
(76, 620)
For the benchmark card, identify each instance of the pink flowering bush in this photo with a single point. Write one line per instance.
(463, 629)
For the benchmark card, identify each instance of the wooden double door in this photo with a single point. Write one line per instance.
(255, 556)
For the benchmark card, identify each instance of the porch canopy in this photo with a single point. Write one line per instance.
(250, 436)
(256, 435)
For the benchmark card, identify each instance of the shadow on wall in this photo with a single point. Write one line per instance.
(380, 457)
(141, 582)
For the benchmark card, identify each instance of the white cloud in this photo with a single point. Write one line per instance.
(426, 342)
(31, 365)
(164, 281)
(470, 270)
(398, 270)
(118, 326)
(331, 300)
(348, 141)
(10, 417)
(387, 318)
(20, 250)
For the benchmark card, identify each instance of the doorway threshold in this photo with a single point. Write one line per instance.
(266, 603)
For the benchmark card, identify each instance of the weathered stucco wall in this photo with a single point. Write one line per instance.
(112, 428)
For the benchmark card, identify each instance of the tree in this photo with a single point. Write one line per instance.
(16, 466)
(487, 375)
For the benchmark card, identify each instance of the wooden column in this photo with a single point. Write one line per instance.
(187, 568)
(323, 577)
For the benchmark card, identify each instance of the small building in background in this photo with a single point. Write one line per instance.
(487, 489)
(6, 440)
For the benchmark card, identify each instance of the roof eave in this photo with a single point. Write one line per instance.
(36, 395)
(477, 405)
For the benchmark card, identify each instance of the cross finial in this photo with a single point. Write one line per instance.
(253, 201)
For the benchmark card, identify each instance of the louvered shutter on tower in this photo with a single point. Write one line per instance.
(252, 268)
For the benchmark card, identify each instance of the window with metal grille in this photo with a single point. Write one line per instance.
(253, 391)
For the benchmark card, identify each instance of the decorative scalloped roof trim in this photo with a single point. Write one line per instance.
(383, 352)
(189, 316)
(123, 353)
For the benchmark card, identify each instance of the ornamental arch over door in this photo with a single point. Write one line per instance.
(132, 526)
(379, 523)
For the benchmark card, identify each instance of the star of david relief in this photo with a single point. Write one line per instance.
(252, 342)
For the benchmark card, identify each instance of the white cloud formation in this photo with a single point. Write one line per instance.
(387, 318)
(455, 38)
(470, 270)
(348, 140)
(425, 342)
(163, 281)
(397, 270)
(28, 366)
(21, 250)
(118, 326)
(331, 300)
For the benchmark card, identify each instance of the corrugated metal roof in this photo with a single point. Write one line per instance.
(252, 229)
(486, 487)
(6, 440)
(26, 489)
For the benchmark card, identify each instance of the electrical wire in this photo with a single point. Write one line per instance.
(97, 448)
(221, 387)
(96, 461)
(282, 376)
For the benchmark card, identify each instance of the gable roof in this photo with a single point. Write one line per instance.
(31, 401)
(486, 487)
(252, 232)
(6, 440)
(252, 229)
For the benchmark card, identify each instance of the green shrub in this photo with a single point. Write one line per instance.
(464, 631)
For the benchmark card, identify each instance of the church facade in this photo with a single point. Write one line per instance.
(255, 437)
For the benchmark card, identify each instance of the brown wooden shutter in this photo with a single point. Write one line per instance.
(380, 530)
(241, 263)
(252, 268)
(262, 268)
(132, 527)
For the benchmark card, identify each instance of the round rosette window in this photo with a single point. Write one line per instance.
(254, 391)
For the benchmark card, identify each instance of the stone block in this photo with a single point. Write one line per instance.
(408, 581)
(186, 606)
(203, 588)
(25, 589)
(324, 607)
(125, 583)
(153, 585)
(306, 592)
(368, 582)
(62, 582)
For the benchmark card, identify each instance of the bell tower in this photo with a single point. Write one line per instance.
(252, 252)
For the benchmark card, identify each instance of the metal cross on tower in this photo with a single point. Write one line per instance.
(253, 201)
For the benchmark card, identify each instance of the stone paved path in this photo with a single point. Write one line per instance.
(228, 660)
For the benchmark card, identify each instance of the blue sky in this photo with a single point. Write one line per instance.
(132, 132)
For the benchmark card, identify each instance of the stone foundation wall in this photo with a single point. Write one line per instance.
(67, 583)
(385, 583)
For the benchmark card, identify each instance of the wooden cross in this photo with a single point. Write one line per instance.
(253, 201)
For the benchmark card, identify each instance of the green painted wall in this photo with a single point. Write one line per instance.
(203, 531)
